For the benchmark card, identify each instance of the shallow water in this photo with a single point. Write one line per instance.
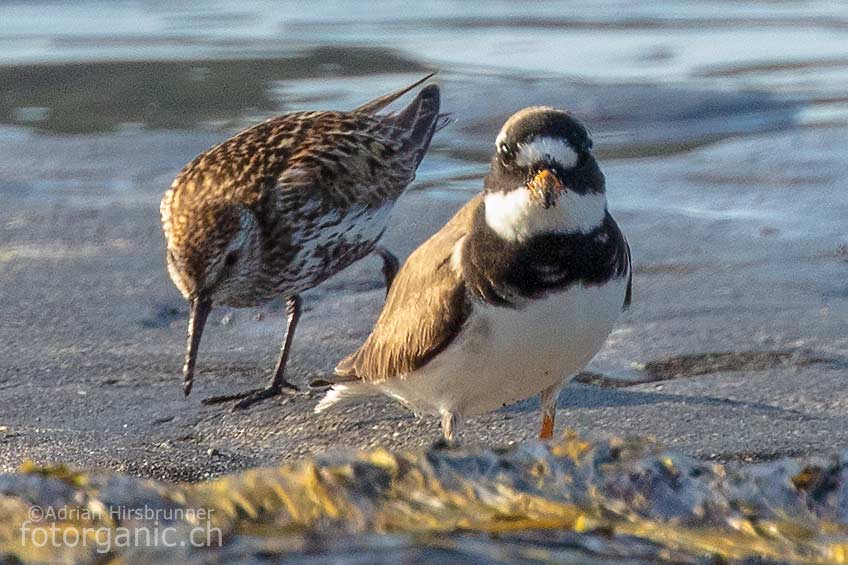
(650, 79)
(754, 89)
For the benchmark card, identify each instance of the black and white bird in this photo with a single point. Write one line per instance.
(518, 291)
(285, 205)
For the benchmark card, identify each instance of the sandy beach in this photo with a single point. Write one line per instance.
(721, 128)
(92, 329)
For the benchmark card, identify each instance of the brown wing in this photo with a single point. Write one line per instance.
(334, 158)
(425, 310)
(360, 158)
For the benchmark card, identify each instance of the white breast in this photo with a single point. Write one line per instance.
(504, 355)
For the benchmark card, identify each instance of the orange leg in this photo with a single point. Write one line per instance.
(547, 430)
(548, 399)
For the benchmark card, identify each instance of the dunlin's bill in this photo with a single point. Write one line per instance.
(286, 204)
(518, 291)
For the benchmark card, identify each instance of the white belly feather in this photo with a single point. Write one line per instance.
(504, 355)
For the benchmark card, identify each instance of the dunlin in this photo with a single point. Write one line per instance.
(286, 204)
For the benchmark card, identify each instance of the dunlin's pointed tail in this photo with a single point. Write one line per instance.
(379, 103)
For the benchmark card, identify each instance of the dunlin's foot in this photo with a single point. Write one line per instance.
(248, 398)
(442, 444)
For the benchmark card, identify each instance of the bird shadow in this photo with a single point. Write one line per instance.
(576, 396)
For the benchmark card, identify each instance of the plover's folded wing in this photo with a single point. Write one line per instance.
(425, 310)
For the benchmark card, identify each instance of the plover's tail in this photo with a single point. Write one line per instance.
(342, 393)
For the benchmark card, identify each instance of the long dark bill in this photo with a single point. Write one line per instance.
(200, 309)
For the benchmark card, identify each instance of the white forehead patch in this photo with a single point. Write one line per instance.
(500, 139)
(545, 149)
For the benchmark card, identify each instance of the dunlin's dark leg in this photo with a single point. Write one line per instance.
(279, 384)
(549, 399)
(390, 265)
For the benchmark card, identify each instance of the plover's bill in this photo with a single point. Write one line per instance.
(520, 289)
(286, 204)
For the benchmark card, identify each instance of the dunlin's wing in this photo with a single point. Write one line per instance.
(357, 157)
(425, 309)
(299, 173)
(361, 158)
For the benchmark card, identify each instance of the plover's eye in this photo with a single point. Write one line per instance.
(505, 154)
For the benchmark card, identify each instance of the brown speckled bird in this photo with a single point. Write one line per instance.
(286, 204)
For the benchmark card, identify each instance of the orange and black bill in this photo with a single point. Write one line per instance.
(545, 188)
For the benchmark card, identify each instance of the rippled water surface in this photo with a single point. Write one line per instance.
(649, 78)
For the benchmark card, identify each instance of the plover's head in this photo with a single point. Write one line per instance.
(543, 177)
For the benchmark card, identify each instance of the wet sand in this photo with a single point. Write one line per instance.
(722, 131)
(738, 320)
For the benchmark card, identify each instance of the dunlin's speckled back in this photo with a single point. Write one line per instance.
(284, 205)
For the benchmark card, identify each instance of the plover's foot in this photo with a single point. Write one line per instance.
(248, 398)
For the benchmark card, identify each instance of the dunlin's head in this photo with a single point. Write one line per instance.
(212, 253)
(543, 176)
(212, 257)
